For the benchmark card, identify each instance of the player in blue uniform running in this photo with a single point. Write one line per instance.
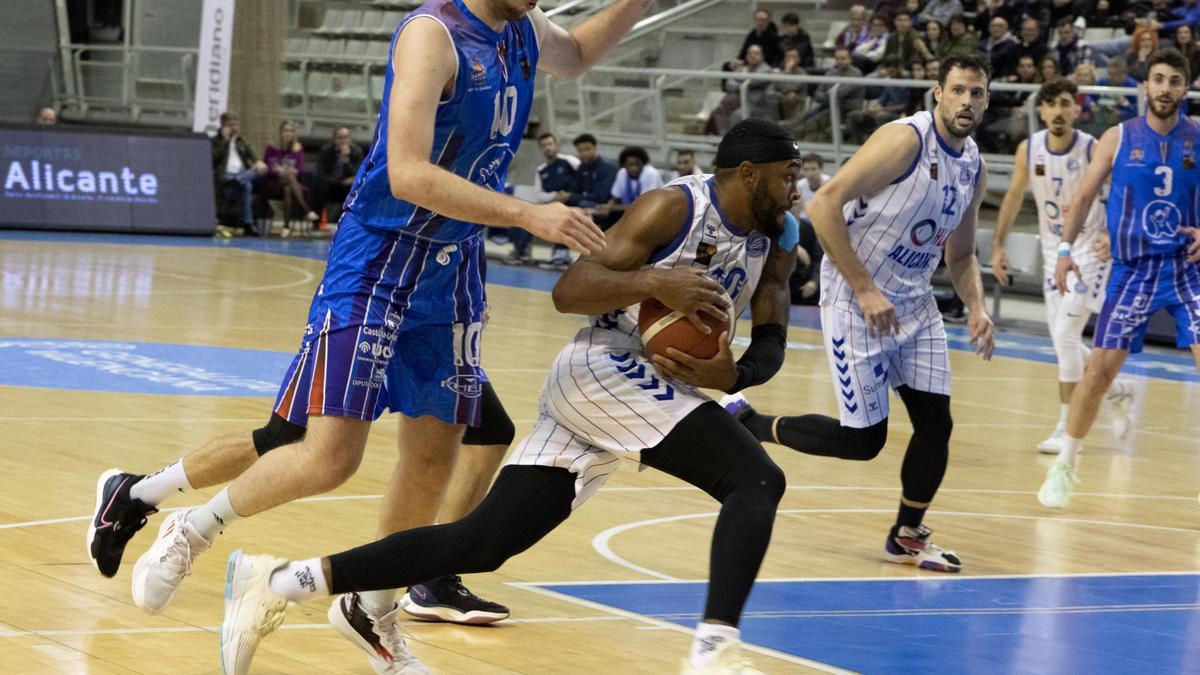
(395, 322)
(1153, 229)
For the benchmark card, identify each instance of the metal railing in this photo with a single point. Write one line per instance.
(123, 98)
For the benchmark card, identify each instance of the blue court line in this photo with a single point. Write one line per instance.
(1070, 624)
(1175, 366)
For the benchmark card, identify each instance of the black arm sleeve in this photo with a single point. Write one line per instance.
(763, 358)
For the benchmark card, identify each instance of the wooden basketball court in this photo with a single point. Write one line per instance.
(1131, 521)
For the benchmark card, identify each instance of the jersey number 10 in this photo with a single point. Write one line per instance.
(504, 112)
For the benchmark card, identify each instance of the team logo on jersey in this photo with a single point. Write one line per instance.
(1161, 219)
(757, 246)
(478, 73)
(1137, 155)
(922, 232)
(468, 386)
(705, 252)
(964, 178)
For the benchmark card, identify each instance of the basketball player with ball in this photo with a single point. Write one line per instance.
(706, 247)
(913, 189)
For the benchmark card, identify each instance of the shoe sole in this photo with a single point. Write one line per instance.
(338, 620)
(903, 559)
(91, 531)
(447, 614)
(230, 571)
(1047, 450)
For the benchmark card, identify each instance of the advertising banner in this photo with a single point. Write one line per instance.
(212, 66)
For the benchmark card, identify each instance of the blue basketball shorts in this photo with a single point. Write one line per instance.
(1138, 289)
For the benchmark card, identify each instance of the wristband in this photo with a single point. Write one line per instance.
(1064, 249)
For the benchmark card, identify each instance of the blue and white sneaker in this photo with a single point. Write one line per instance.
(736, 405)
(911, 546)
(446, 599)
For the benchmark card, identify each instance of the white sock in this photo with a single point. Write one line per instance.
(156, 487)
(212, 518)
(378, 603)
(1071, 448)
(300, 580)
(1063, 410)
(709, 637)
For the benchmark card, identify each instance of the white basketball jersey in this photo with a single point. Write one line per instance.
(1054, 179)
(898, 232)
(732, 256)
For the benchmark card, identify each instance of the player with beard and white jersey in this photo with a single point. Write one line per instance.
(1051, 164)
(703, 243)
(883, 220)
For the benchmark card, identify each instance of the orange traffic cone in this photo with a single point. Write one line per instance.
(324, 223)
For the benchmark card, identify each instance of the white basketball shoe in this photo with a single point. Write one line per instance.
(729, 661)
(159, 571)
(1120, 402)
(381, 637)
(252, 610)
(1053, 443)
(1056, 490)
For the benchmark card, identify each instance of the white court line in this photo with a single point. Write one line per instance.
(6, 633)
(600, 543)
(667, 625)
(912, 578)
(688, 488)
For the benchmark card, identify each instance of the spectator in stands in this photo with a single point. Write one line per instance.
(1145, 43)
(932, 68)
(1085, 76)
(593, 177)
(1119, 108)
(635, 178)
(850, 96)
(1007, 118)
(1038, 10)
(1185, 42)
(959, 38)
(235, 162)
(1032, 44)
(913, 9)
(283, 179)
(1061, 9)
(554, 181)
(1188, 14)
(795, 37)
(855, 31)
(1101, 13)
(888, 9)
(1049, 69)
(791, 94)
(685, 165)
(46, 117)
(904, 43)
(1001, 48)
(1027, 71)
(887, 107)
(765, 36)
(869, 52)
(935, 36)
(993, 9)
(1072, 50)
(942, 11)
(337, 164)
(916, 96)
(760, 96)
(806, 278)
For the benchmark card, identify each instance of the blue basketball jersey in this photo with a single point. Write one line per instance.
(477, 130)
(1155, 189)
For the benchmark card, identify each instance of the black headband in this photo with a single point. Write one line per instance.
(757, 149)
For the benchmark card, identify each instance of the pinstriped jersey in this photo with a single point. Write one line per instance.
(1054, 179)
(706, 239)
(476, 131)
(898, 232)
(1155, 189)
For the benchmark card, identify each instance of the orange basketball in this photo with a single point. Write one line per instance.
(662, 327)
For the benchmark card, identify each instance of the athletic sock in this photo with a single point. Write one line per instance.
(908, 516)
(212, 518)
(300, 580)
(1071, 448)
(378, 603)
(1063, 410)
(156, 487)
(709, 638)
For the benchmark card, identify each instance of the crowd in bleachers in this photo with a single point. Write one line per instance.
(1093, 42)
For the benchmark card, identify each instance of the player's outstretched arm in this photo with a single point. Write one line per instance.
(568, 54)
(964, 271)
(887, 154)
(424, 65)
(1008, 212)
(1093, 179)
(612, 278)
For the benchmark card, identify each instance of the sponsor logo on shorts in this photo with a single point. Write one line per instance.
(470, 386)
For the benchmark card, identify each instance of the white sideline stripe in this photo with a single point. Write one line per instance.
(941, 578)
(7, 633)
(666, 625)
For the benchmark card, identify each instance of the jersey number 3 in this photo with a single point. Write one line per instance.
(1167, 178)
(504, 112)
